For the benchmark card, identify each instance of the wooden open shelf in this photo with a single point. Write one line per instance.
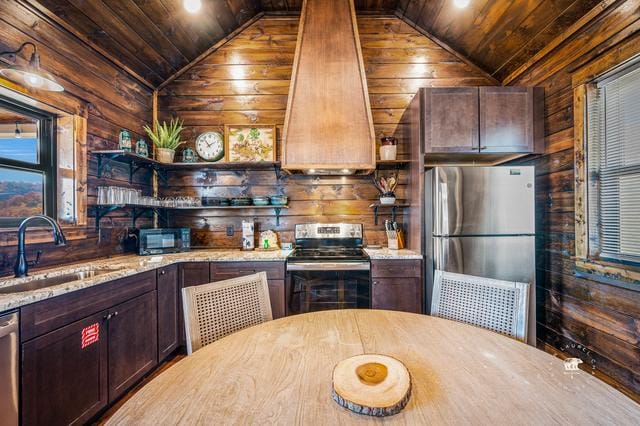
(392, 164)
(138, 210)
(136, 162)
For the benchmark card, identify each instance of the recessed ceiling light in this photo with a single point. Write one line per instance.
(461, 4)
(192, 6)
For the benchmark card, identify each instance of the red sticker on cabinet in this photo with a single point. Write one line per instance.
(90, 335)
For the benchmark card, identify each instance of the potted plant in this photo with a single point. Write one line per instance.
(386, 186)
(166, 139)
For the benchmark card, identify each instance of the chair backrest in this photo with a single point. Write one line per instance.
(214, 310)
(501, 306)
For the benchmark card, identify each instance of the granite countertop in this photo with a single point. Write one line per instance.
(122, 266)
(388, 254)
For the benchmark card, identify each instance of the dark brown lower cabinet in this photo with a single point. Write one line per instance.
(133, 344)
(190, 274)
(397, 285)
(397, 294)
(275, 276)
(193, 273)
(72, 372)
(276, 295)
(169, 309)
(63, 382)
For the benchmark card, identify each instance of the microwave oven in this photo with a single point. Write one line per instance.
(163, 240)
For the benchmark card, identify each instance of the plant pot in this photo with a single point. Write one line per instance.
(387, 199)
(165, 155)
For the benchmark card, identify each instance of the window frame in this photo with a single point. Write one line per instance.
(595, 245)
(47, 157)
(587, 261)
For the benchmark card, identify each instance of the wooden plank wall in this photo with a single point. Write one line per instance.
(97, 89)
(573, 310)
(247, 81)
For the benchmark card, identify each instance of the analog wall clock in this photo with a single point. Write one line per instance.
(210, 146)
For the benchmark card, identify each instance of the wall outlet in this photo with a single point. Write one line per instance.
(230, 231)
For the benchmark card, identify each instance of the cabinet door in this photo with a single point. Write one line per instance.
(451, 120)
(397, 294)
(169, 307)
(506, 119)
(194, 273)
(62, 381)
(190, 274)
(133, 342)
(276, 296)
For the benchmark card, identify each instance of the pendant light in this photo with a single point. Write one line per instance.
(461, 4)
(18, 133)
(31, 75)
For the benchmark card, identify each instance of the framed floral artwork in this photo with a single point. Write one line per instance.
(249, 143)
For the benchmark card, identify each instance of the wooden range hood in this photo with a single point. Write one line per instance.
(328, 128)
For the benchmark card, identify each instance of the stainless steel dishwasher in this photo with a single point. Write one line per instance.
(9, 372)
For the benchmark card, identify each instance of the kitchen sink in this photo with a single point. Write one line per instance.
(39, 283)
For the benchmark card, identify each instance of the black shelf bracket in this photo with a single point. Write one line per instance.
(104, 158)
(137, 212)
(394, 211)
(277, 211)
(161, 173)
(102, 211)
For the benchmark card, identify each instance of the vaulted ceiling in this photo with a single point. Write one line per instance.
(153, 39)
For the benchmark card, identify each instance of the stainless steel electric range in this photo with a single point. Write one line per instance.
(328, 269)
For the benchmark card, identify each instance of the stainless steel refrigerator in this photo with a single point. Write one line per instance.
(481, 221)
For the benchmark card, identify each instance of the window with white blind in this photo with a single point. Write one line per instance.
(613, 166)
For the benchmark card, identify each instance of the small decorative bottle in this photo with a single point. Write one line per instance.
(141, 148)
(125, 140)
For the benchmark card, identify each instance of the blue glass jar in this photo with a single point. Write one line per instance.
(142, 149)
(188, 156)
(124, 140)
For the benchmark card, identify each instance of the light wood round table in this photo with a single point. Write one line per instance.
(280, 372)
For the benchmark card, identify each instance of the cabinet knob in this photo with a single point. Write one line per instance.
(162, 272)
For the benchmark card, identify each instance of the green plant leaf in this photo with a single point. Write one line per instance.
(166, 135)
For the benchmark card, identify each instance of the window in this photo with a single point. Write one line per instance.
(613, 166)
(27, 158)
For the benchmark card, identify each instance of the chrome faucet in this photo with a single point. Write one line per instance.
(22, 265)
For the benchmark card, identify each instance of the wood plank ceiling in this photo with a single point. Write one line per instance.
(153, 39)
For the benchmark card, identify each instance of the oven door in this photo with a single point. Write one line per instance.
(318, 286)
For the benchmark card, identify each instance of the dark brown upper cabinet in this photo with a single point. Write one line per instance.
(451, 119)
(485, 120)
(508, 119)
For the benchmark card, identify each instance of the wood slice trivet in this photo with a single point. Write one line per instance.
(372, 384)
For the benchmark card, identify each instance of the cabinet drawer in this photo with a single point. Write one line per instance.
(226, 270)
(42, 317)
(396, 268)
